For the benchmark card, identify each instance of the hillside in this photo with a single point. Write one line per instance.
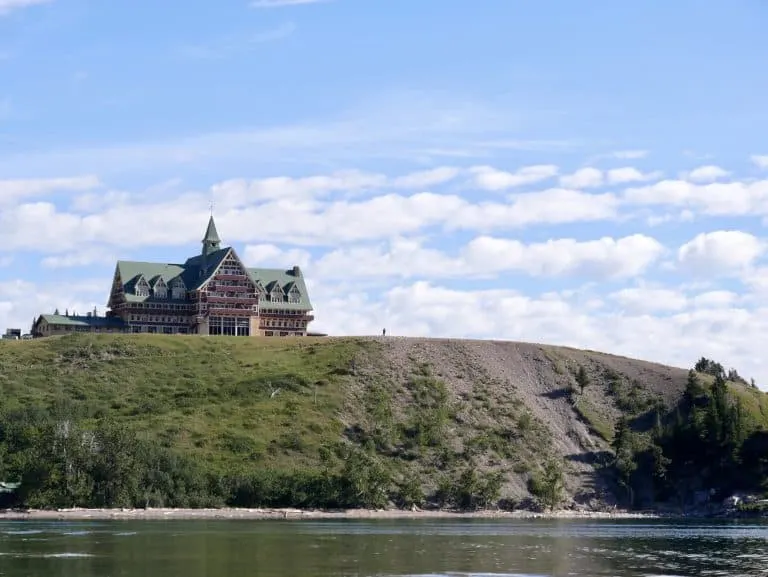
(236, 420)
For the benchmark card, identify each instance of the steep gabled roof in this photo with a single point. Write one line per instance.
(131, 271)
(193, 278)
(211, 234)
(270, 276)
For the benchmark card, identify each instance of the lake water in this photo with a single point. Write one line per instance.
(452, 548)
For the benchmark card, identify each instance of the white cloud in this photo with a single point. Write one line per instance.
(283, 3)
(648, 300)
(760, 160)
(629, 174)
(603, 258)
(270, 255)
(13, 190)
(484, 256)
(282, 209)
(681, 216)
(715, 299)
(582, 178)
(706, 173)
(720, 252)
(489, 178)
(8, 6)
(427, 178)
(22, 300)
(238, 193)
(731, 198)
(85, 256)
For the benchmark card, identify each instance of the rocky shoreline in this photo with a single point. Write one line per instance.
(298, 514)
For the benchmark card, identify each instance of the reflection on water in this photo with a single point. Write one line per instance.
(474, 548)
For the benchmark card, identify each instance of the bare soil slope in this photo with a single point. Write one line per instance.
(512, 405)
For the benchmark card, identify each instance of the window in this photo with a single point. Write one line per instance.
(294, 296)
(142, 288)
(161, 292)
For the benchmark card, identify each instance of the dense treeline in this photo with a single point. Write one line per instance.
(707, 445)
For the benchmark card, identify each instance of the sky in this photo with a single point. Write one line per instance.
(590, 174)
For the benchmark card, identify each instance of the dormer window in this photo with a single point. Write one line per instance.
(294, 296)
(276, 296)
(178, 290)
(142, 288)
(161, 289)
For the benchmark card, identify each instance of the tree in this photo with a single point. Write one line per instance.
(582, 379)
(693, 388)
(624, 449)
(710, 367)
(548, 486)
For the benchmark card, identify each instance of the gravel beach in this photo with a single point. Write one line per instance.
(296, 514)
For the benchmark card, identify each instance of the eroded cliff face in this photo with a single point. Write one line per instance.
(508, 407)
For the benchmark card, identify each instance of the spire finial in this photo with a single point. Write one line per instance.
(212, 205)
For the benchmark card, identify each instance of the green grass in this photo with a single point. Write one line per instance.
(754, 401)
(597, 424)
(208, 397)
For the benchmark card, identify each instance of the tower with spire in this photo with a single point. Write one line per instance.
(211, 241)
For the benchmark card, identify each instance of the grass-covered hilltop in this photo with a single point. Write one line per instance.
(154, 421)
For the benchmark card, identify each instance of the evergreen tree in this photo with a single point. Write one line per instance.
(624, 449)
(582, 379)
(693, 388)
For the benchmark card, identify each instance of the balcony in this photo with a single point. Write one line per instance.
(213, 311)
(234, 299)
(225, 288)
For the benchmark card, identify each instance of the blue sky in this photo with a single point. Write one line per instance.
(388, 146)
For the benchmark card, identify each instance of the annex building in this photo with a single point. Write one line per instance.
(212, 293)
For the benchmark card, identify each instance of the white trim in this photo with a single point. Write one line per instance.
(244, 269)
(138, 286)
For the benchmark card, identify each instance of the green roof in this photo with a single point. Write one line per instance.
(211, 234)
(82, 321)
(286, 279)
(190, 273)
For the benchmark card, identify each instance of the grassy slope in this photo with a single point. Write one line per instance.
(209, 397)
(429, 407)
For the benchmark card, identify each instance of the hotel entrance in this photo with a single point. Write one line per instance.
(229, 326)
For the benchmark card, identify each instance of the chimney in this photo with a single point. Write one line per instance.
(296, 271)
